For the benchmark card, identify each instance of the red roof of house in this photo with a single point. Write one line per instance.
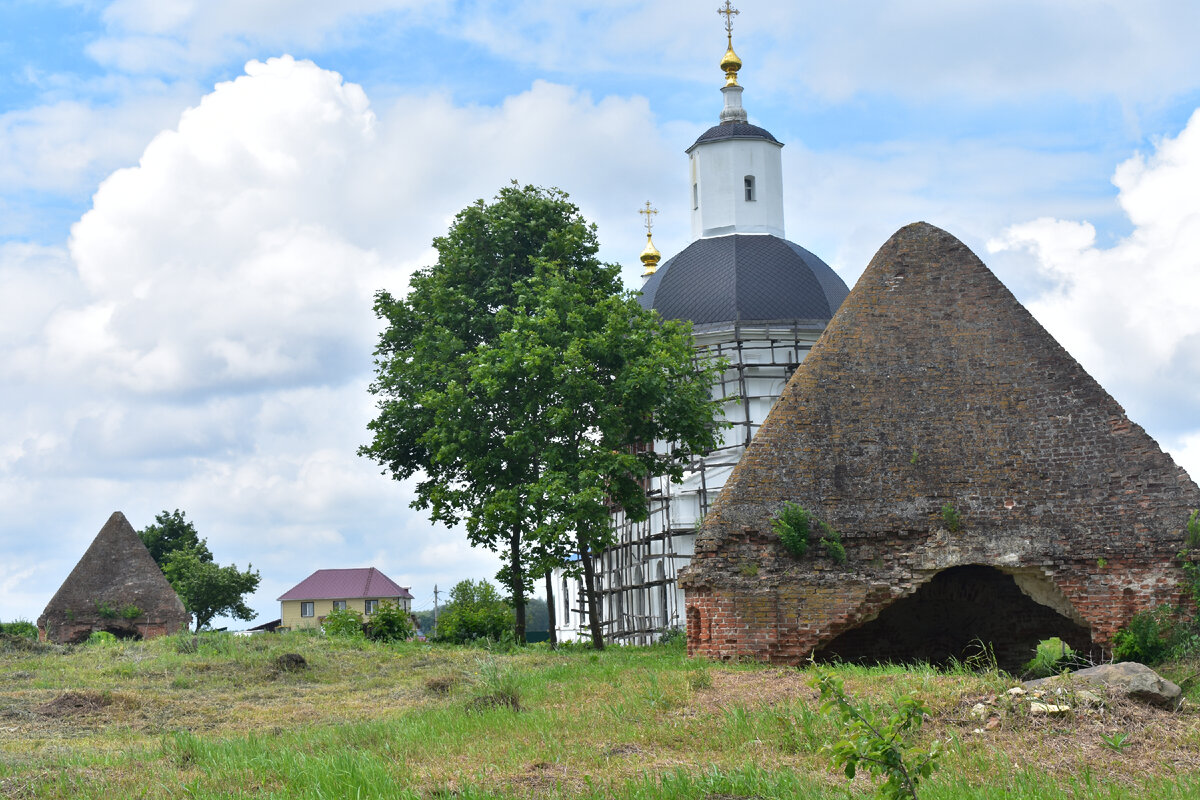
(345, 584)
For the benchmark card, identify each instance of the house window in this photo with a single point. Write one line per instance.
(306, 609)
(370, 606)
(749, 181)
(339, 605)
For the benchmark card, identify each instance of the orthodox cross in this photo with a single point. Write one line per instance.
(729, 11)
(649, 212)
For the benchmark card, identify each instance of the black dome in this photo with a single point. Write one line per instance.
(734, 130)
(745, 278)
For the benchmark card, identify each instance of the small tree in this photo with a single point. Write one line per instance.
(475, 611)
(208, 590)
(878, 740)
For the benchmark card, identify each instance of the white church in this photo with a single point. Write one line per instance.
(755, 299)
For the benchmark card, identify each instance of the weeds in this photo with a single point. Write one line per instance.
(951, 518)
(1117, 741)
(878, 741)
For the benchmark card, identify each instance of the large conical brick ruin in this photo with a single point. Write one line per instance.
(116, 587)
(986, 488)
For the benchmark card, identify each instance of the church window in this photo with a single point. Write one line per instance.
(695, 195)
(749, 181)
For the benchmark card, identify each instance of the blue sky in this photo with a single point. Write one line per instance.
(198, 199)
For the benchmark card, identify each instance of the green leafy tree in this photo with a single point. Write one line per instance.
(473, 468)
(519, 379)
(591, 377)
(475, 611)
(207, 589)
(172, 531)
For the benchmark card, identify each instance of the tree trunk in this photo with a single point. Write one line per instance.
(518, 585)
(550, 620)
(589, 588)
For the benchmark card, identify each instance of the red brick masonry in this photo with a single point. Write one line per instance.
(932, 386)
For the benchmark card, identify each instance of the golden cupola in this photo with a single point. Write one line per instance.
(650, 255)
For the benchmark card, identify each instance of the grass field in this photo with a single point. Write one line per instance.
(217, 716)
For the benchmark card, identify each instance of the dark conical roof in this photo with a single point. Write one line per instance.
(115, 573)
(744, 278)
(932, 387)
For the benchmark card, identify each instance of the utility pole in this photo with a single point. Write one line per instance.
(435, 608)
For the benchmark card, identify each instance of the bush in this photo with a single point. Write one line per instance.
(1150, 638)
(102, 638)
(390, 623)
(344, 622)
(22, 628)
(792, 525)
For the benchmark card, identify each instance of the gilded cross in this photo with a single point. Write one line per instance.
(729, 11)
(649, 212)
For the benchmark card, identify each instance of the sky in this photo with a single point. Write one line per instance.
(199, 199)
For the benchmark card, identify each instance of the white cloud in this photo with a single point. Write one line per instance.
(1128, 312)
(65, 146)
(205, 344)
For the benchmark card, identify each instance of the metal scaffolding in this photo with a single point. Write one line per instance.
(636, 577)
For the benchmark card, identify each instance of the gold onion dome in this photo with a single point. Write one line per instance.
(731, 64)
(650, 257)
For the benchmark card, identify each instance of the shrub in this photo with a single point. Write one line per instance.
(130, 612)
(101, 637)
(390, 623)
(792, 525)
(343, 622)
(1150, 637)
(22, 628)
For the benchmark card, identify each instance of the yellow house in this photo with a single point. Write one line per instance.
(363, 590)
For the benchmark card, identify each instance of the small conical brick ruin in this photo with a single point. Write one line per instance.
(116, 587)
(985, 487)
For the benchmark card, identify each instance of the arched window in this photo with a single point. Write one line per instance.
(695, 195)
(749, 182)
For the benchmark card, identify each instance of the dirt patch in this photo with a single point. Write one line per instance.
(75, 704)
(757, 688)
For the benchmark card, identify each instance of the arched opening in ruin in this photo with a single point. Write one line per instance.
(81, 635)
(946, 618)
